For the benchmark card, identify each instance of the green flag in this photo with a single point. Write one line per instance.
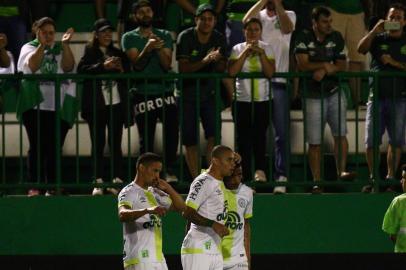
(29, 96)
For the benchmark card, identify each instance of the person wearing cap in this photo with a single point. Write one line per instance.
(36, 100)
(150, 52)
(105, 102)
(394, 221)
(200, 49)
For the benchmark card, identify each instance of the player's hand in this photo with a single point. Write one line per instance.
(319, 74)
(3, 41)
(68, 35)
(163, 185)
(157, 210)
(220, 229)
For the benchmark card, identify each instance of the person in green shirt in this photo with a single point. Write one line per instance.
(394, 221)
(150, 52)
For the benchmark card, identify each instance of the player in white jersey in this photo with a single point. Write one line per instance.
(141, 204)
(206, 209)
(235, 247)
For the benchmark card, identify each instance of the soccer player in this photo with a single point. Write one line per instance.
(394, 222)
(141, 204)
(236, 246)
(206, 209)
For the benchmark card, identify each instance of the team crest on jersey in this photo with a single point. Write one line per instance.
(242, 203)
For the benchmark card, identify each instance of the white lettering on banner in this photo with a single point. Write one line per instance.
(150, 105)
(153, 104)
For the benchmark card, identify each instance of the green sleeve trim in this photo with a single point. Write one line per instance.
(130, 262)
(130, 205)
(192, 205)
(247, 216)
(191, 251)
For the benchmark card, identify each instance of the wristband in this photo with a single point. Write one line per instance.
(209, 223)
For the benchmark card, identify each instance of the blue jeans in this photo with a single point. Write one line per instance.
(391, 117)
(334, 113)
(281, 120)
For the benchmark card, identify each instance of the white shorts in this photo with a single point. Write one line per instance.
(202, 261)
(148, 266)
(238, 266)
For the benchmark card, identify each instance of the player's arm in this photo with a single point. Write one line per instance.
(247, 241)
(126, 214)
(178, 204)
(191, 215)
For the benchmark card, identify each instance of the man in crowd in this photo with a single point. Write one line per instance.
(321, 51)
(386, 46)
(150, 52)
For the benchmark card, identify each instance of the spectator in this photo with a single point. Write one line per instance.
(278, 25)
(206, 210)
(141, 204)
(5, 59)
(6, 67)
(125, 17)
(185, 10)
(252, 121)
(105, 103)
(236, 11)
(150, 52)
(321, 51)
(385, 46)
(236, 246)
(13, 16)
(349, 19)
(394, 221)
(200, 49)
(44, 56)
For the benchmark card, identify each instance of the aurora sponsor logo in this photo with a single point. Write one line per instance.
(233, 221)
(154, 222)
(223, 216)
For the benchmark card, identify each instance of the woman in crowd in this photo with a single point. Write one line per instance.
(105, 102)
(251, 110)
(36, 104)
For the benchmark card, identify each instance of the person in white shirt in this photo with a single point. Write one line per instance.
(252, 120)
(46, 56)
(278, 25)
(206, 209)
(141, 204)
(235, 247)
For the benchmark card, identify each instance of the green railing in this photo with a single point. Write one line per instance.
(13, 175)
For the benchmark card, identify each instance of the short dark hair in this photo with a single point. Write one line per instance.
(398, 6)
(43, 21)
(148, 158)
(139, 4)
(320, 10)
(219, 150)
(252, 20)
